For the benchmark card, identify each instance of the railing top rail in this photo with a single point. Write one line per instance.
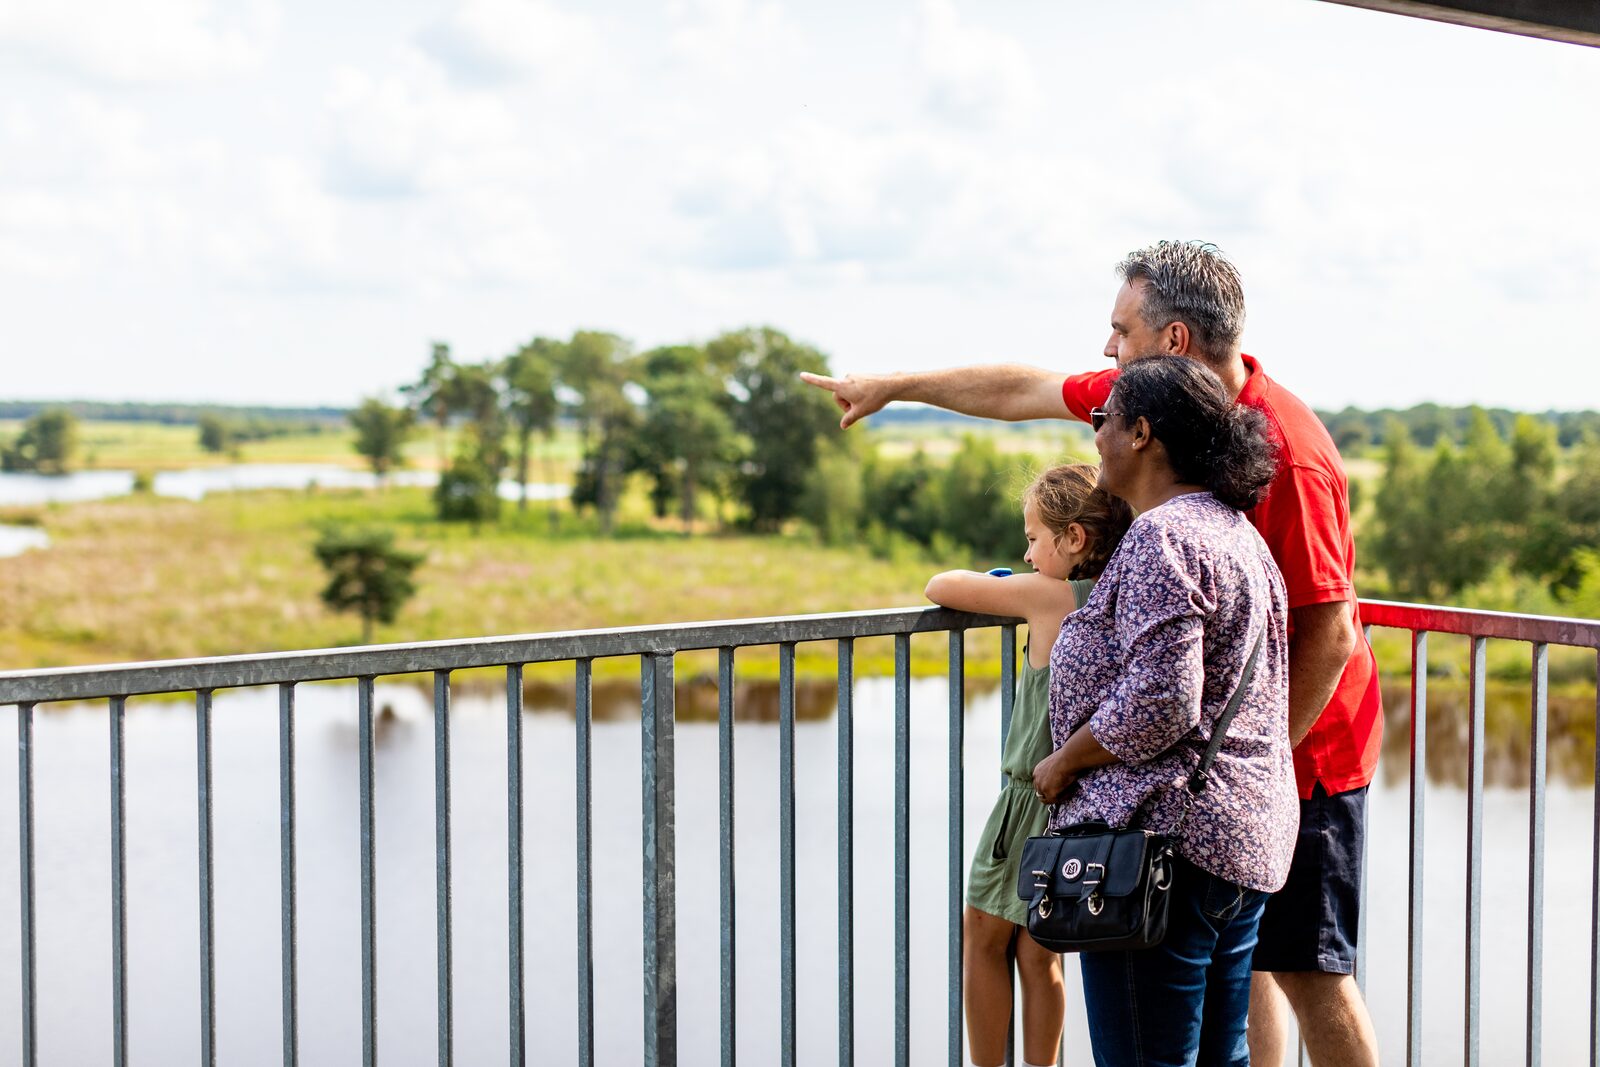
(315, 665)
(1545, 629)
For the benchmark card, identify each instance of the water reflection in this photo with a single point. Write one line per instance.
(1508, 720)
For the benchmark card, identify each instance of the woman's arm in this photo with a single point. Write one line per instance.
(1061, 768)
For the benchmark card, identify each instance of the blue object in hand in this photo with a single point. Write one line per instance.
(1001, 572)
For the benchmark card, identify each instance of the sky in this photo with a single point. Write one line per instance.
(286, 202)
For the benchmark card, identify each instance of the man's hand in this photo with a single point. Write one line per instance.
(858, 395)
(1053, 776)
(1006, 391)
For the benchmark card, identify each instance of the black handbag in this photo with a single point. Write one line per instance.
(1090, 887)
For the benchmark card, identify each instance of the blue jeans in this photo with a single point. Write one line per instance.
(1184, 1002)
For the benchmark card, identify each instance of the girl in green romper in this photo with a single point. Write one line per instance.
(1072, 528)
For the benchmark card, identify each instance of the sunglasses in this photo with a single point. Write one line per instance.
(1098, 416)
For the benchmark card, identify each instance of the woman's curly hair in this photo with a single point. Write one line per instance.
(1209, 440)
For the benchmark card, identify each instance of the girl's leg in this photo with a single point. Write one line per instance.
(1043, 1000)
(986, 983)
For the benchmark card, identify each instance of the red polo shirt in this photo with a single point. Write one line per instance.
(1305, 521)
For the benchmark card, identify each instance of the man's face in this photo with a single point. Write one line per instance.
(1131, 339)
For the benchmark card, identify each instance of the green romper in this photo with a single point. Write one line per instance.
(1017, 814)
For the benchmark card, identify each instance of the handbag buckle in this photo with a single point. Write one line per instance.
(1041, 876)
(1088, 869)
(1044, 907)
(1096, 903)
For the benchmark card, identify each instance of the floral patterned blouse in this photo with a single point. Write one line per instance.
(1150, 661)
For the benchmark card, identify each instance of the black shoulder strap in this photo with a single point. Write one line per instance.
(1197, 780)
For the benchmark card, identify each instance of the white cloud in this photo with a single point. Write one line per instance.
(976, 77)
(149, 42)
(497, 41)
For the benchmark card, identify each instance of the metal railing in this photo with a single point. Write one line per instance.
(1540, 632)
(656, 646)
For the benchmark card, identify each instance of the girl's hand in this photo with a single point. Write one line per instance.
(1052, 777)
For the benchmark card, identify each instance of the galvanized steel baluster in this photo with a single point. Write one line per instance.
(846, 760)
(1474, 935)
(369, 903)
(514, 945)
(119, 888)
(1538, 735)
(25, 865)
(727, 970)
(208, 963)
(902, 850)
(786, 975)
(957, 688)
(1008, 693)
(441, 838)
(1361, 890)
(289, 937)
(1414, 902)
(660, 920)
(584, 714)
(1594, 895)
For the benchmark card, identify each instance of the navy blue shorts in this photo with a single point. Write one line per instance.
(1310, 924)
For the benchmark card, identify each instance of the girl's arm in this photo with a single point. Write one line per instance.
(1042, 601)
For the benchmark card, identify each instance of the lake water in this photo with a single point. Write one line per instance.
(194, 483)
(15, 540)
(74, 911)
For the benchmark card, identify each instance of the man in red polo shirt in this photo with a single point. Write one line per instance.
(1183, 298)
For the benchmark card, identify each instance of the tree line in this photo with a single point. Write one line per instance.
(1449, 516)
(727, 420)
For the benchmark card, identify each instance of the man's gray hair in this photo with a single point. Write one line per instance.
(1190, 282)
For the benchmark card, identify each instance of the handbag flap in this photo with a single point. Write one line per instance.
(1074, 865)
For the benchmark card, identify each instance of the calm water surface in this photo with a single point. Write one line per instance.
(72, 804)
(192, 484)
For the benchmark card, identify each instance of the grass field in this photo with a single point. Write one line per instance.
(142, 578)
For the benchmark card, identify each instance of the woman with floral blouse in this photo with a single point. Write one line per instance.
(1139, 676)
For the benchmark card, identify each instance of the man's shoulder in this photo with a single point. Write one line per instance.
(1303, 439)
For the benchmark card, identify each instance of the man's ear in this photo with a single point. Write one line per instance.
(1175, 339)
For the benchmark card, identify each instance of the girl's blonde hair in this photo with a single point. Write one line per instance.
(1068, 494)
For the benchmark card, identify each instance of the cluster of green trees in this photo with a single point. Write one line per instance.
(728, 419)
(968, 504)
(1355, 430)
(223, 433)
(44, 445)
(1450, 515)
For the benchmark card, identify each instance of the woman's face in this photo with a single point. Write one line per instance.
(1114, 440)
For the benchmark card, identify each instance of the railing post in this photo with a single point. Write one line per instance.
(208, 962)
(1474, 874)
(1414, 903)
(119, 890)
(957, 849)
(441, 839)
(847, 942)
(1536, 775)
(514, 938)
(660, 919)
(902, 850)
(369, 879)
(786, 867)
(725, 766)
(25, 869)
(288, 933)
(583, 712)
